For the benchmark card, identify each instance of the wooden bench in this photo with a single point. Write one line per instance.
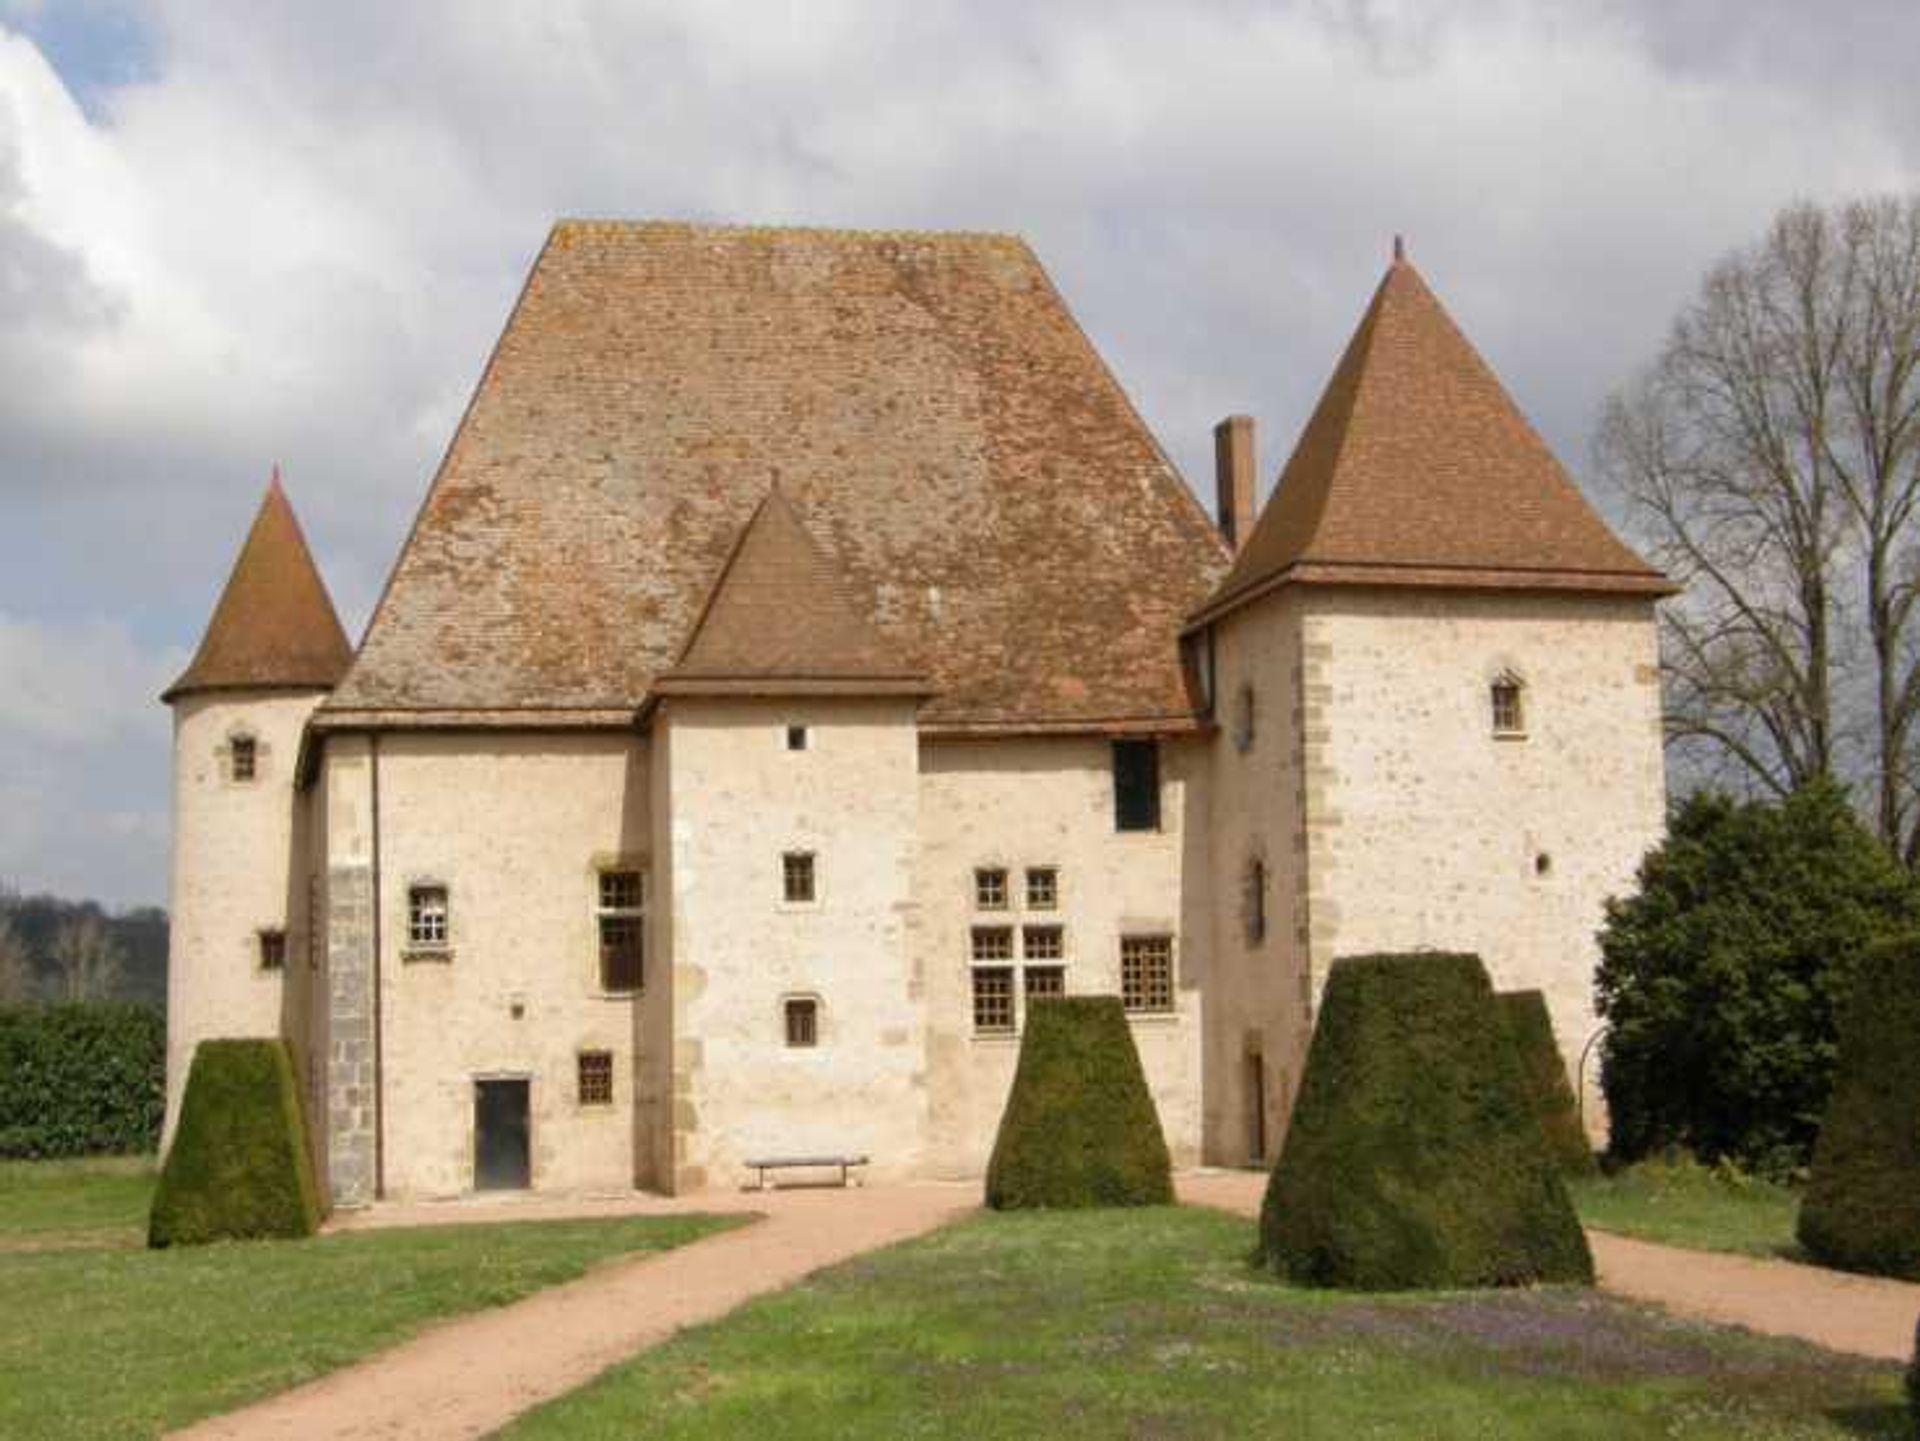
(809, 1163)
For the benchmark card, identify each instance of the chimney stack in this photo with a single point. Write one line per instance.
(1233, 477)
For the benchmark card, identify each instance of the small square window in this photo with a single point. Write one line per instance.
(1043, 888)
(990, 889)
(427, 917)
(1043, 943)
(243, 758)
(993, 1000)
(796, 869)
(1045, 981)
(803, 1022)
(796, 738)
(1146, 973)
(273, 950)
(596, 1078)
(992, 943)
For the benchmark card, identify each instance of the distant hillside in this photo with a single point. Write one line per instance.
(64, 950)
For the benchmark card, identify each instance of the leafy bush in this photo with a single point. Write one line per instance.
(81, 1080)
(1722, 977)
(1080, 1128)
(1862, 1207)
(1414, 1157)
(239, 1166)
(1544, 1072)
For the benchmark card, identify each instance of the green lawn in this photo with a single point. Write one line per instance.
(99, 1340)
(1683, 1204)
(1152, 1323)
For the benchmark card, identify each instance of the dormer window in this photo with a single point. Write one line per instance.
(243, 758)
(1507, 698)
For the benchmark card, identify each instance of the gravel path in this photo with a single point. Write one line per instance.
(1863, 1315)
(471, 1375)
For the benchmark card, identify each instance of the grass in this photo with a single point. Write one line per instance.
(1153, 1323)
(1682, 1203)
(101, 1339)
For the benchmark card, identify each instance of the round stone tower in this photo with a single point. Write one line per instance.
(239, 960)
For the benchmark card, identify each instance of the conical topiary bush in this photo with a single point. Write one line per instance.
(238, 1168)
(1080, 1128)
(1862, 1207)
(1544, 1074)
(1414, 1158)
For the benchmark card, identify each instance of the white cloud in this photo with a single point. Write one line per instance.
(297, 239)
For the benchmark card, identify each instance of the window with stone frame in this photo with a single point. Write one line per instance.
(1043, 943)
(1146, 974)
(428, 917)
(993, 1000)
(243, 758)
(595, 1078)
(273, 950)
(990, 888)
(797, 878)
(1043, 888)
(802, 1015)
(620, 917)
(1507, 701)
(1044, 981)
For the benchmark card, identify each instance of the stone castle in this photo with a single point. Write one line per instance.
(805, 660)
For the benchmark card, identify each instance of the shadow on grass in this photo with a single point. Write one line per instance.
(1892, 1421)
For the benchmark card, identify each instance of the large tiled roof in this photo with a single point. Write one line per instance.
(274, 626)
(1416, 468)
(783, 620)
(929, 409)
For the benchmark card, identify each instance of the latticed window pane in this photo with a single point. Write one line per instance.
(993, 943)
(1044, 981)
(596, 1078)
(797, 876)
(990, 889)
(1043, 888)
(427, 916)
(622, 891)
(623, 953)
(1146, 973)
(1509, 715)
(1043, 943)
(803, 1022)
(993, 999)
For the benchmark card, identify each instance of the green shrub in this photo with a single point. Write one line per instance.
(1722, 978)
(1862, 1206)
(1544, 1072)
(1080, 1128)
(1414, 1158)
(239, 1166)
(81, 1080)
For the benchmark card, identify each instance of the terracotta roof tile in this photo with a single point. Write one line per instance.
(935, 418)
(274, 626)
(1417, 468)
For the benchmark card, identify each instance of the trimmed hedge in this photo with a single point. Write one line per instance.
(1080, 1128)
(239, 1167)
(81, 1080)
(1544, 1073)
(1414, 1158)
(1862, 1206)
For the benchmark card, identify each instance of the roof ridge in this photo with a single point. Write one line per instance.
(594, 224)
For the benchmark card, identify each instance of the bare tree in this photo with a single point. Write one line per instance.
(1770, 455)
(87, 958)
(16, 965)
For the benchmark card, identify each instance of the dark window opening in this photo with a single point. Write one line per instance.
(596, 1078)
(796, 870)
(1136, 785)
(273, 950)
(803, 1022)
(796, 738)
(243, 754)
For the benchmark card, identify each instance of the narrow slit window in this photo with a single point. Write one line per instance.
(621, 918)
(427, 915)
(1254, 901)
(1146, 974)
(596, 1078)
(797, 878)
(803, 1023)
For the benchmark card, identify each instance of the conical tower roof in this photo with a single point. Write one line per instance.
(782, 619)
(274, 627)
(1417, 468)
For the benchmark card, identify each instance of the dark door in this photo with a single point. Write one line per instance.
(500, 1136)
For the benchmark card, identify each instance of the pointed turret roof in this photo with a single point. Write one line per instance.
(783, 619)
(1417, 468)
(274, 627)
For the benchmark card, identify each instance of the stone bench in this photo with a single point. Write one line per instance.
(807, 1163)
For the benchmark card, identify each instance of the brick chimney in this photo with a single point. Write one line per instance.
(1233, 477)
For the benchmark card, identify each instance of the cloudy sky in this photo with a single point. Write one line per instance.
(240, 232)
